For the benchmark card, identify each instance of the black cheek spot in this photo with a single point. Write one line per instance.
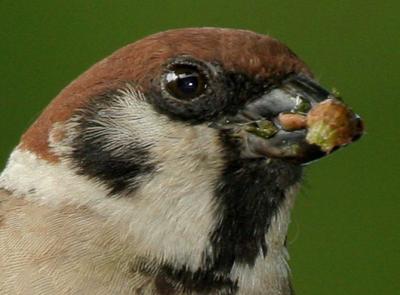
(120, 167)
(119, 173)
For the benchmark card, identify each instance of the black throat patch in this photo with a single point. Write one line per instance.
(248, 194)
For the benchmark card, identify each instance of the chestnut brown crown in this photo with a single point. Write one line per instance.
(241, 51)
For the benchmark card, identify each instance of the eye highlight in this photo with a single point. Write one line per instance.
(184, 81)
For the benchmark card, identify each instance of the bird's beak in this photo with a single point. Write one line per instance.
(299, 121)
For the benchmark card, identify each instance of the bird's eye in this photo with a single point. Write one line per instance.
(185, 81)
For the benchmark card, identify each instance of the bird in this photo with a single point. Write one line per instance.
(169, 167)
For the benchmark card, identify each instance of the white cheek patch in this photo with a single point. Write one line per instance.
(171, 215)
(28, 176)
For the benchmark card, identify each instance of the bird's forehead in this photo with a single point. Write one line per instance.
(237, 51)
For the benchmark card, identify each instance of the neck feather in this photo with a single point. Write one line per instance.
(156, 221)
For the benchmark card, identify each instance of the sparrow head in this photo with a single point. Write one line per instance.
(213, 123)
(249, 87)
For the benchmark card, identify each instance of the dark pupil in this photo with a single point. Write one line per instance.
(187, 83)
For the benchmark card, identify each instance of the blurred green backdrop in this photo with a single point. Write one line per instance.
(344, 237)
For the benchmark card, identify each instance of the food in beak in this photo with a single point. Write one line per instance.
(299, 122)
(292, 121)
(304, 137)
(330, 124)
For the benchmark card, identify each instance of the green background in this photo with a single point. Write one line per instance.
(345, 235)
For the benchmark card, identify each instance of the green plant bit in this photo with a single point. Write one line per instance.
(264, 129)
(302, 106)
(335, 92)
(323, 135)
